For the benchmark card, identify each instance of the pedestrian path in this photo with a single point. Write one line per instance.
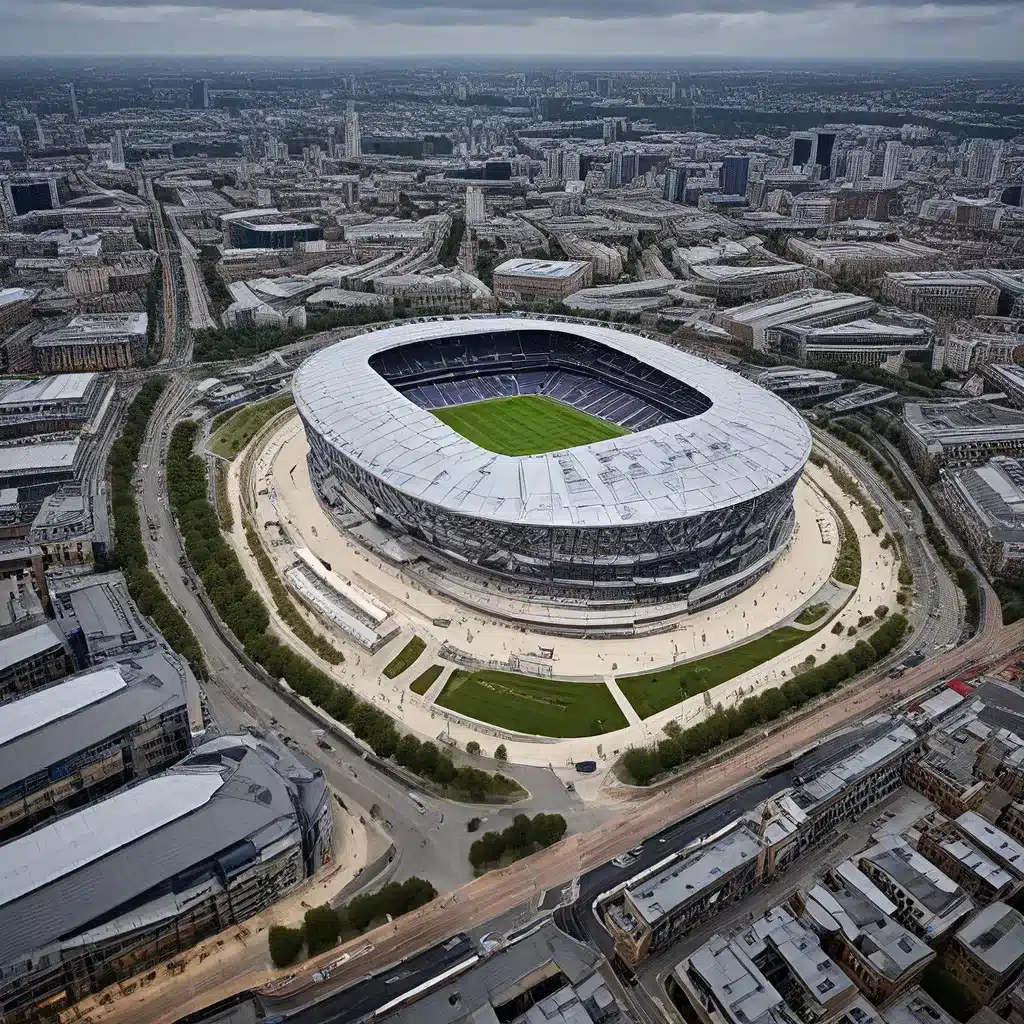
(620, 698)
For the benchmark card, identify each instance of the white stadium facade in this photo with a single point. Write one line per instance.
(693, 505)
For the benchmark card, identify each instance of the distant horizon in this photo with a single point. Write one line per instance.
(905, 31)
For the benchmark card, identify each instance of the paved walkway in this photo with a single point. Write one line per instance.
(620, 698)
(280, 472)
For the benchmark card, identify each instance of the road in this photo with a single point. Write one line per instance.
(937, 617)
(434, 845)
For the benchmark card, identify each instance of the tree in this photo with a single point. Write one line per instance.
(285, 944)
(500, 753)
(472, 747)
(322, 927)
(881, 611)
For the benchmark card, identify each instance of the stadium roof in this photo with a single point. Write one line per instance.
(745, 444)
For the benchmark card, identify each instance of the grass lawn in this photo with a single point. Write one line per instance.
(234, 433)
(542, 707)
(425, 680)
(405, 657)
(526, 425)
(655, 691)
(812, 613)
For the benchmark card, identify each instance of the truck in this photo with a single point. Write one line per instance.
(586, 767)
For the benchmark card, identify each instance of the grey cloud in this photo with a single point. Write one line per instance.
(478, 12)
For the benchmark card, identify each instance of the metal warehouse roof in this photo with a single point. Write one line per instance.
(38, 458)
(745, 444)
(59, 388)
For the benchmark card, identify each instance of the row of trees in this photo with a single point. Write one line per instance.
(154, 311)
(852, 435)
(965, 579)
(244, 613)
(323, 926)
(643, 764)
(130, 553)
(524, 836)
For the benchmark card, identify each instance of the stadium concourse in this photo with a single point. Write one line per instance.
(280, 485)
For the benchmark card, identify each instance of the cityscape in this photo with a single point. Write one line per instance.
(510, 540)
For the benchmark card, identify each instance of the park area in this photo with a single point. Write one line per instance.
(654, 691)
(235, 429)
(526, 425)
(538, 707)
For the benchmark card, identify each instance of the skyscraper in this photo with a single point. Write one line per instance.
(824, 145)
(571, 165)
(858, 165)
(732, 176)
(554, 164)
(353, 140)
(475, 210)
(615, 170)
(800, 154)
(981, 157)
(675, 185)
(330, 142)
(73, 101)
(630, 168)
(891, 167)
(201, 94)
(117, 151)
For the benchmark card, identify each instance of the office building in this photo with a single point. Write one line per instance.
(732, 176)
(475, 210)
(674, 189)
(893, 165)
(72, 103)
(983, 160)
(66, 403)
(72, 529)
(987, 954)
(869, 342)
(733, 284)
(861, 258)
(960, 433)
(941, 294)
(38, 469)
(201, 94)
(993, 841)
(93, 341)
(423, 295)
(824, 153)
(972, 347)
(802, 144)
(157, 867)
(117, 151)
(88, 735)
(915, 1006)
(1007, 378)
(858, 165)
(15, 307)
(33, 659)
(534, 280)
(813, 307)
(353, 139)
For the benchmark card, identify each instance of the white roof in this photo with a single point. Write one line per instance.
(747, 443)
(525, 267)
(48, 705)
(70, 843)
(27, 644)
(47, 389)
(24, 458)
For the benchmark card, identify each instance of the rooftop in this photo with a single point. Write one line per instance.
(61, 388)
(1003, 848)
(32, 642)
(40, 457)
(540, 268)
(736, 983)
(995, 935)
(704, 869)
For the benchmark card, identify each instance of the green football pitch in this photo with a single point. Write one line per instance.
(526, 425)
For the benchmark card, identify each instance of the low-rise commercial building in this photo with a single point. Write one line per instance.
(86, 736)
(39, 469)
(882, 957)
(944, 845)
(744, 284)
(942, 435)
(862, 258)
(33, 658)
(867, 341)
(1008, 378)
(969, 349)
(927, 901)
(123, 883)
(64, 403)
(941, 293)
(534, 280)
(812, 307)
(71, 528)
(992, 841)
(15, 308)
(93, 341)
(986, 503)
(441, 293)
(987, 954)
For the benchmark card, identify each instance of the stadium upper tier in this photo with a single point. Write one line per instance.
(701, 489)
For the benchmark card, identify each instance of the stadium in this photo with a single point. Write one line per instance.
(574, 462)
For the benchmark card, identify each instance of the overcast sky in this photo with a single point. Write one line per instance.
(770, 28)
